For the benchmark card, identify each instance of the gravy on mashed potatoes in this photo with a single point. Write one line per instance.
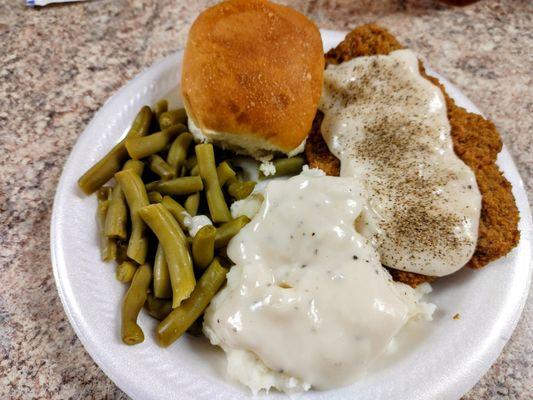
(308, 302)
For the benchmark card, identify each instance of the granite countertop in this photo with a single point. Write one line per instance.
(59, 64)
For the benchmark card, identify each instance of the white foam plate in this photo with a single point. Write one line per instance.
(447, 358)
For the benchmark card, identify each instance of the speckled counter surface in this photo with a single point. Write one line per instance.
(59, 64)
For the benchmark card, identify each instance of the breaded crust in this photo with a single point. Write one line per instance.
(475, 139)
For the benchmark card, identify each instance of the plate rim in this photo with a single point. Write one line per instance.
(121, 381)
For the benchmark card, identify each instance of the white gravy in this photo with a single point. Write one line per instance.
(308, 295)
(389, 128)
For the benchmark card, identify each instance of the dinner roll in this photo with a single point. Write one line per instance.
(252, 77)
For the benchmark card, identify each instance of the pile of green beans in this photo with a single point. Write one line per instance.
(161, 180)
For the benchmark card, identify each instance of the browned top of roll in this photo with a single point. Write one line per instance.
(253, 69)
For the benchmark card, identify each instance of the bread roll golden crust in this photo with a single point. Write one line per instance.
(253, 69)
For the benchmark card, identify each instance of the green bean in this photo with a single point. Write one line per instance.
(125, 271)
(157, 308)
(240, 190)
(104, 169)
(162, 287)
(132, 304)
(231, 180)
(215, 198)
(178, 212)
(224, 173)
(171, 238)
(195, 171)
(108, 247)
(172, 117)
(136, 197)
(122, 249)
(203, 246)
(224, 259)
(104, 193)
(181, 318)
(155, 197)
(191, 162)
(177, 154)
(150, 186)
(117, 215)
(177, 186)
(160, 107)
(192, 203)
(141, 147)
(160, 167)
(226, 231)
(286, 166)
(134, 165)
(183, 171)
